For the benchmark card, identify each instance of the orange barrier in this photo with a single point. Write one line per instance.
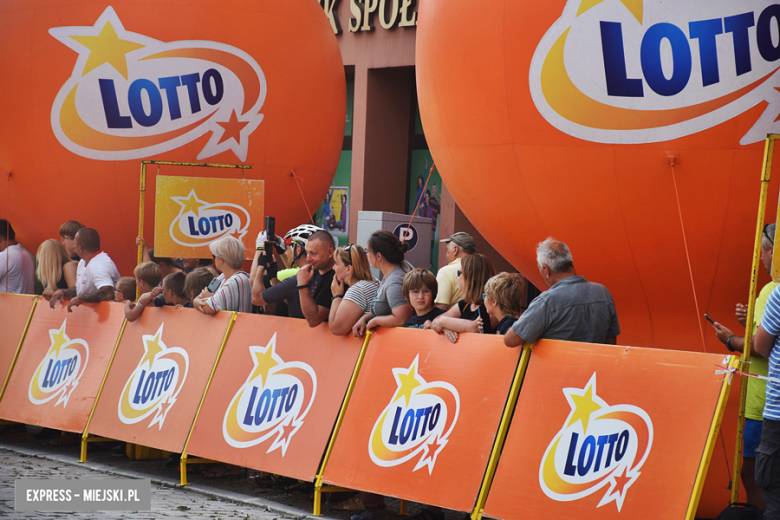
(275, 395)
(602, 431)
(16, 309)
(158, 377)
(61, 365)
(424, 416)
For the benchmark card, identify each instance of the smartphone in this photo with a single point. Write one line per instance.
(268, 247)
(709, 319)
(214, 285)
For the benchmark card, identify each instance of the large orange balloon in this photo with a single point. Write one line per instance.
(559, 118)
(90, 89)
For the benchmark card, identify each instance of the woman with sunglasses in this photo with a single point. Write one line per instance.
(389, 308)
(353, 289)
(469, 314)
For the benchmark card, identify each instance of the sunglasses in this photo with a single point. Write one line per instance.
(764, 232)
(484, 296)
(460, 272)
(348, 249)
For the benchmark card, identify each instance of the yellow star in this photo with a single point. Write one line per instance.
(153, 347)
(58, 339)
(190, 203)
(407, 382)
(264, 361)
(583, 407)
(635, 6)
(107, 48)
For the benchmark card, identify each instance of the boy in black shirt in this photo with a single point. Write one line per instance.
(419, 289)
(504, 297)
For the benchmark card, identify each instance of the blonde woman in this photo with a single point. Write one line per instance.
(55, 268)
(353, 289)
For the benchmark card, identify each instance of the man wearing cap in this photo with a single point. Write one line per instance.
(458, 245)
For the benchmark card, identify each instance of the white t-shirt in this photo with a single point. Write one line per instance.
(100, 272)
(17, 270)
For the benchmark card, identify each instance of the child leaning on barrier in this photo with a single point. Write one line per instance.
(125, 290)
(196, 281)
(420, 289)
(147, 280)
(504, 294)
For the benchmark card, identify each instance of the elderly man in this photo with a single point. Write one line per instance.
(96, 275)
(17, 266)
(573, 309)
(458, 245)
(308, 293)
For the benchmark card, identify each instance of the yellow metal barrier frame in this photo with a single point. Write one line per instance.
(709, 446)
(318, 489)
(503, 429)
(85, 438)
(143, 194)
(19, 346)
(745, 359)
(184, 461)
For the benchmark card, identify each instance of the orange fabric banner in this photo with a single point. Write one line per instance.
(15, 309)
(275, 396)
(606, 432)
(61, 365)
(423, 417)
(158, 377)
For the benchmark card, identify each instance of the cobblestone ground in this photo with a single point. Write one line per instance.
(22, 456)
(167, 502)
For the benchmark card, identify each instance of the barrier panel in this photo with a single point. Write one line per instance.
(607, 432)
(158, 377)
(62, 364)
(423, 417)
(275, 396)
(16, 310)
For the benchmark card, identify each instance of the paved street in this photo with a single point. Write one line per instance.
(167, 502)
(22, 456)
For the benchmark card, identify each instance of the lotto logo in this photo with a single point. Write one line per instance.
(598, 446)
(417, 421)
(131, 96)
(155, 383)
(272, 402)
(60, 370)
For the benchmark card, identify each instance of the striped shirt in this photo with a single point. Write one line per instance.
(770, 321)
(362, 293)
(235, 294)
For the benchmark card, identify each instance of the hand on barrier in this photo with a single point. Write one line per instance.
(450, 335)
(58, 295)
(359, 329)
(47, 293)
(741, 314)
(74, 302)
(479, 323)
(372, 324)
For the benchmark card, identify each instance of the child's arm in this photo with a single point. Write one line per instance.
(456, 324)
(133, 311)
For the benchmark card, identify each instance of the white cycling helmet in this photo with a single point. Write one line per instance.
(301, 234)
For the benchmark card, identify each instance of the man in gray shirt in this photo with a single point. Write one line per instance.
(573, 309)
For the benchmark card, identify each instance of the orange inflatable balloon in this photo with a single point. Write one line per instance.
(92, 89)
(631, 131)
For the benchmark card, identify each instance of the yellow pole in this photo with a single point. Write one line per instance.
(339, 420)
(709, 446)
(503, 429)
(765, 176)
(19, 347)
(84, 436)
(141, 220)
(183, 463)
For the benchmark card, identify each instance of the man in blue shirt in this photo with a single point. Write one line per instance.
(767, 465)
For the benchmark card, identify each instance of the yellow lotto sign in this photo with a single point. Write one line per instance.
(192, 212)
